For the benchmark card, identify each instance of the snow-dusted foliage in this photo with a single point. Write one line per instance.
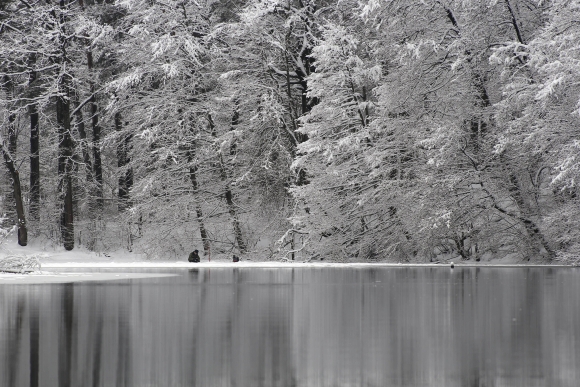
(354, 130)
(402, 153)
(15, 263)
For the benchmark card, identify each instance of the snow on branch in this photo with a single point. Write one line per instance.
(19, 263)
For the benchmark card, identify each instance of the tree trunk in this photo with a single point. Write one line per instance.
(34, 165)
(80, 125)
(65, 145)
(8, 155)
(17, 192)
(235, 221)
(530, 225)
(97, 163)
(65, 169)
(126, 178)
(34, 205)
(11, 134)
(232, 209)
(10, 204)
(96, 150)
(198, 211)
(228, 192)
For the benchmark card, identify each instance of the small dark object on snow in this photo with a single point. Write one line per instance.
(236, 258)
(194, 256)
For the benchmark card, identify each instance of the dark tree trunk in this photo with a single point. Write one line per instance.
(34, 205)
(478, 124)
(235, 221)
(11, 134)
(126, 178)
(85, 162)
(34, 165)
(235, 122)
(97, 167)
(65, 169)
(8, 155)
(228, 192)
(7, 86)
(232, 209)
(97, 163)
(536, 235)
(198, 211)
(80, 125)
(306, 103)
(17, 192)
(308, 65)
(65, 143)
(515, 22)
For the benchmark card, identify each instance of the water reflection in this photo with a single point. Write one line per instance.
(471, 327)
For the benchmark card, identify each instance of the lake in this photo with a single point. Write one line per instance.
(327, 327)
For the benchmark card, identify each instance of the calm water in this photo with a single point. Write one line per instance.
(467, 327)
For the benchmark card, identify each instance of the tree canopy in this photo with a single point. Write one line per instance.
(293, 129)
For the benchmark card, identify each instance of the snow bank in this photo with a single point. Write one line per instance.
(48, 277)
(53, 259)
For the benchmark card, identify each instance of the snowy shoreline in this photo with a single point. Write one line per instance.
(132, 270)
(50, 271)
(276, 265)
(127, 265)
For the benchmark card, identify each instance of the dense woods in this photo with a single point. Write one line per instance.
(293, 129)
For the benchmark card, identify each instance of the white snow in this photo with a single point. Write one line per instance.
(53, 259)
(49, 277)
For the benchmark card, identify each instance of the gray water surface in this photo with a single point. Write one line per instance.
(467, 327)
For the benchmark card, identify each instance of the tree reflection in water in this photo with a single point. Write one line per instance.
(297, 327)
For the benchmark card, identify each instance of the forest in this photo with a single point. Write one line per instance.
(351, 130)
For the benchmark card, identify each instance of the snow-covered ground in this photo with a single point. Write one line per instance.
(50, 277)
(53, 259)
